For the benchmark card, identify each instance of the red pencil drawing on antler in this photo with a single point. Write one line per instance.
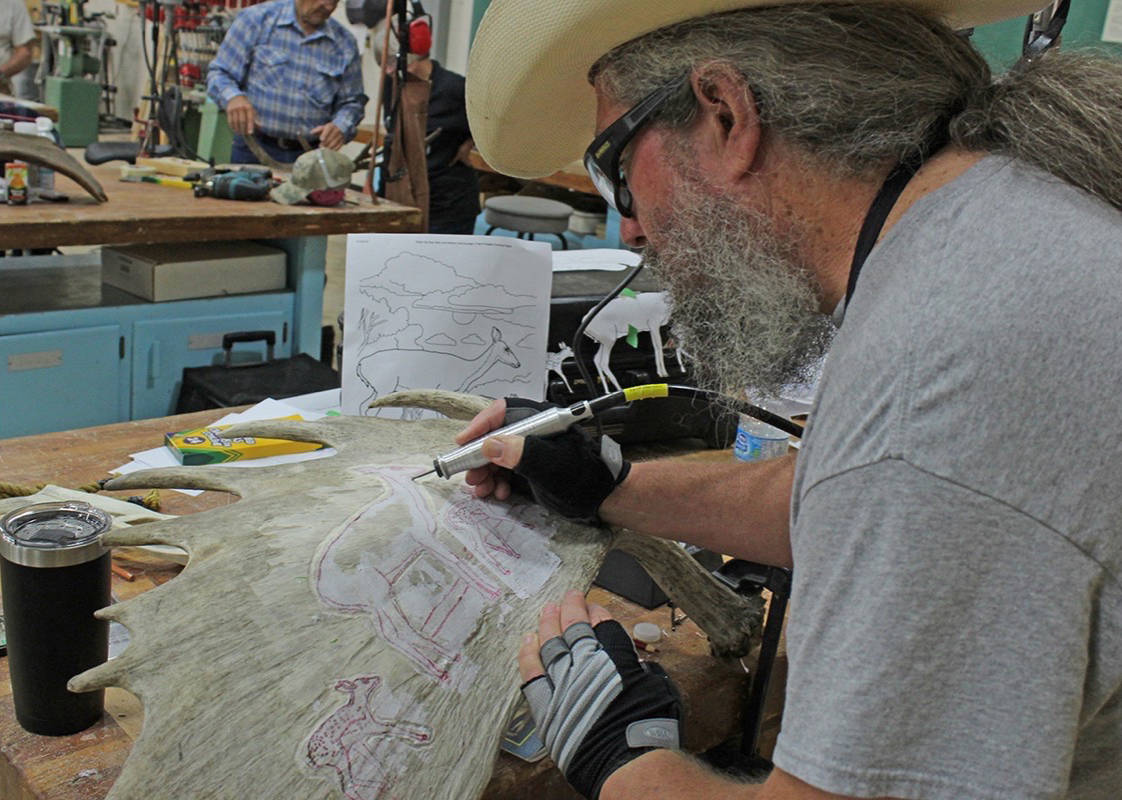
(413, 586)
(350, 739)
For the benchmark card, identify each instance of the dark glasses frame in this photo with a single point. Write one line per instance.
(602, 157)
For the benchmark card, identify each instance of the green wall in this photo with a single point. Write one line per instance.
(1001, 42)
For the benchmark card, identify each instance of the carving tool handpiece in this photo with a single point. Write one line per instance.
(544, 423)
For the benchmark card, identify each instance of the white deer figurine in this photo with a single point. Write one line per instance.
(429, 369)
(647, 311)
(553, 362)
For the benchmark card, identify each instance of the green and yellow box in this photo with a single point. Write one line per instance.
(210, 446)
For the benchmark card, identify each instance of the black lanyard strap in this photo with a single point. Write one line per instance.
(886, 198)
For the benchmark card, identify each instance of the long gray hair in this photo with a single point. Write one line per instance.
(864, 85)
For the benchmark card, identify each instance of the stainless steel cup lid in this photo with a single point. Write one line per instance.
(53, 534)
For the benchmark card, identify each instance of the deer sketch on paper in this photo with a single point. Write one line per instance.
(419, 595)
(417, 367)
(647, 311)
(426, 324)
(350, 739)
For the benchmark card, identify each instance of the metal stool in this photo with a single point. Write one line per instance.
(527, 216)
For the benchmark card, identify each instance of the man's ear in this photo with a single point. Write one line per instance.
(728, 121)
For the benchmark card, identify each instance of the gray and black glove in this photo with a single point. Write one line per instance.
(566, 472)
(598, 707)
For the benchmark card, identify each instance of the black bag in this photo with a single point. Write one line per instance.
(228, 385)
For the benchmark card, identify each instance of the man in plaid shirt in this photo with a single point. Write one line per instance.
(288, 74)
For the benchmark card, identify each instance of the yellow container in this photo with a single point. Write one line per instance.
(210, 446)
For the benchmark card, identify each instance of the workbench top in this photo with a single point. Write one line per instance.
(147, 212)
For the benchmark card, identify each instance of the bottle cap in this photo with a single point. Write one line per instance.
(53, 534)
(647, 632)
(44, 124)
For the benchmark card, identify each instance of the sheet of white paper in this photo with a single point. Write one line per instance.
(461, 313)
(317, 406)
(319, 402)
(603, 259)
(1112, 26)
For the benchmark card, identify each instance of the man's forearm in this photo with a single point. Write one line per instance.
(17, 62)
(739, 509)
(672, 776)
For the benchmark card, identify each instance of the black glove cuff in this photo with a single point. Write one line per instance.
(567, 474)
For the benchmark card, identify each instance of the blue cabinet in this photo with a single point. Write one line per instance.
(76, 376)
(78, 367)
(162, 348)
(75, 353)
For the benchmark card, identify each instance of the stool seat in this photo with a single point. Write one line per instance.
(527, 214)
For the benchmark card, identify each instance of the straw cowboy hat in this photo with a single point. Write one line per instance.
(529, 103)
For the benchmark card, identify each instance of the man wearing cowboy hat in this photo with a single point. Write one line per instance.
(952, 519)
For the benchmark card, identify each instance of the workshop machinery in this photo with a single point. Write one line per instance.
(73, 68)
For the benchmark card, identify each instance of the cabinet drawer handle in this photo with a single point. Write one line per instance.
(153, 363)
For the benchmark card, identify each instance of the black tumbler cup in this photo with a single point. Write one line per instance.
(55, 574)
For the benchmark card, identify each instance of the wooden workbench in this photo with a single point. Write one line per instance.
(84, 766)
(141, 347)
(41, 109)
(146, 212)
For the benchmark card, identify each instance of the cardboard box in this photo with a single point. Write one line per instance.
(211, 446)
(193, 269)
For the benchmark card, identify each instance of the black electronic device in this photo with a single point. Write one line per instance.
(230, 384)
(243, 184)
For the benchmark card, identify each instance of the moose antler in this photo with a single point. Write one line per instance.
(348, 620)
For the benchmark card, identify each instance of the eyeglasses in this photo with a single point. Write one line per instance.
(602, 157)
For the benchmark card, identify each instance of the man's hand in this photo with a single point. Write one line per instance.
(503, 451)
(595, 705)
(330, 136)
(240, 115)
(567, 472)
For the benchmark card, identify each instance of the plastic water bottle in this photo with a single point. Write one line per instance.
(46, 129)
(30, 129)
(756, 441)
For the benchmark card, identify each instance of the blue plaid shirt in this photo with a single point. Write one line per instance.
(294, 82)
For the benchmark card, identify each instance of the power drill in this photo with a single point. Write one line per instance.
(240, 185)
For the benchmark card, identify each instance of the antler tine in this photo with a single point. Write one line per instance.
(111, 673)
(454, 405)
(164, 532)
(325, 431)
(216, 478)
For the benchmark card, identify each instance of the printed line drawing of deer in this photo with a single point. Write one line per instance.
(430, 369)
(553, 362)
(646, 311)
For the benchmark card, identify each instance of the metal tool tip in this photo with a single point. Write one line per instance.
(423, 474)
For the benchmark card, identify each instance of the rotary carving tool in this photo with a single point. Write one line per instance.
(544, 423)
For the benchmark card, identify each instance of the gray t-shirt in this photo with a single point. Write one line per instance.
(956, 618)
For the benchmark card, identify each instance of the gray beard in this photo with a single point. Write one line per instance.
(743, 305)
